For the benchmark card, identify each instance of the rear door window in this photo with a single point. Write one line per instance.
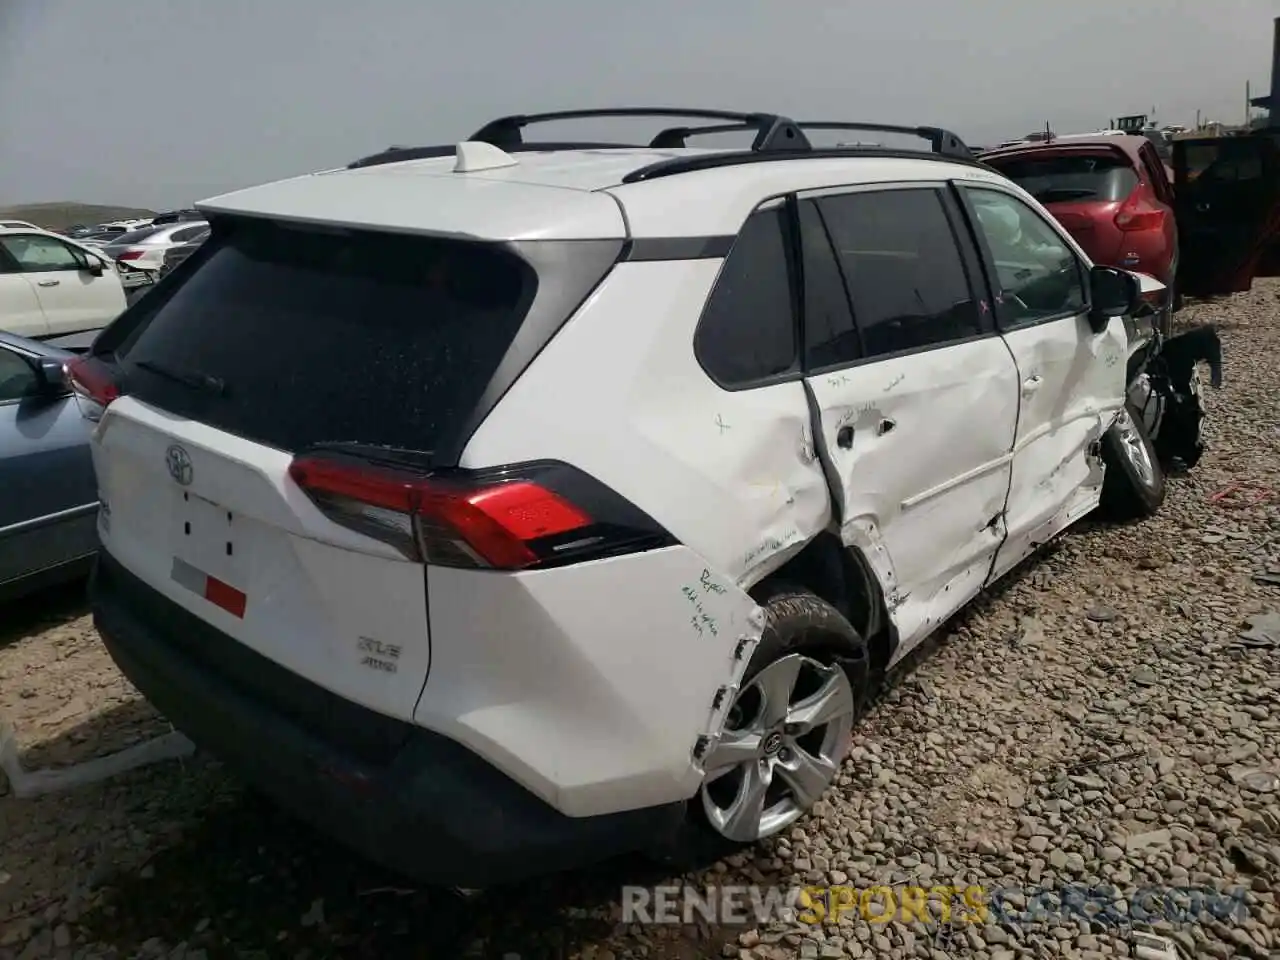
(1101, 176)
(292, 336)
(903, 268)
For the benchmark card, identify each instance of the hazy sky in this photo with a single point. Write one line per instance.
(162, 102)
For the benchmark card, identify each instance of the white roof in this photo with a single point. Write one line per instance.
(563, 194)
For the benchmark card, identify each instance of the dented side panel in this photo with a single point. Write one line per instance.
(922, 446)
(1073, 384)
(732, 474)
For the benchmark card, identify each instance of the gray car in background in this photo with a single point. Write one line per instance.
(48, 494)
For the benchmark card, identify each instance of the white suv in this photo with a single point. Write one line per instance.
(51, 286)
(502, 507)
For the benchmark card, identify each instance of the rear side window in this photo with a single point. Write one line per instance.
(1072, 178)
(747, 333)
(292, 337)
(903, 268)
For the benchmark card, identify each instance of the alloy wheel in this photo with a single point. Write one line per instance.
(788, 730)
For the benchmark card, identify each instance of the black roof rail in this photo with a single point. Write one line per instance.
(772, 131)
(734, 158)
(941, 141)
(776, 137)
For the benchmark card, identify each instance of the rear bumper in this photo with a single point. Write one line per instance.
(402, 796)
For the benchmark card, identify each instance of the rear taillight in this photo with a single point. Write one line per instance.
(529, 516)
(131, 255)
(1138, 213)
(92, 382)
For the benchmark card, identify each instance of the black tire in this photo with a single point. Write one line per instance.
(1130, 491)
(796, 621)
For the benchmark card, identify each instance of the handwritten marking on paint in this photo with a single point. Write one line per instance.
(1112, 359)
(855, 413)
(722, 425)
(896, 380)
(771, 545)
(708, 584)
(701, 621)
(839, 380)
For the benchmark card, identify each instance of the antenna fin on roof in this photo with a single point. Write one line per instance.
(477, 155)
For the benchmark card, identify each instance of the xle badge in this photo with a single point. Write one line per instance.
(377, 655)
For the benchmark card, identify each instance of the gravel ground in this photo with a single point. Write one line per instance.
(1094, 721)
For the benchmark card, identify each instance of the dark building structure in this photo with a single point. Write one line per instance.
(1266, 102)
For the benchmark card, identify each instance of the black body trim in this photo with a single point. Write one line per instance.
(645, 249)
(405, 797)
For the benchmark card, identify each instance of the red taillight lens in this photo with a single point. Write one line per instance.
(131, 255)
(91, 380)
(1138, 213)
(505, 524)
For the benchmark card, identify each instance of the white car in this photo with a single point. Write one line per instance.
(140, 253)
(502, 507)
(17, 225)
(51, 286)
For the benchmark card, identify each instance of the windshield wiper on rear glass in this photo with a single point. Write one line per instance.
(199, 381)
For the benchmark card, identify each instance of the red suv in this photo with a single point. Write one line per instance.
(1112, 193)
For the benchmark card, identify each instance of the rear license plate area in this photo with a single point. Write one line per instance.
(208, 552)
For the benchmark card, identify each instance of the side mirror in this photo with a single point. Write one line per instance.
(51, 377)
(1113, 293)
(95, 266)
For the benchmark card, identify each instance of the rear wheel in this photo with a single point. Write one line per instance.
(788, 729)
(1134, 485)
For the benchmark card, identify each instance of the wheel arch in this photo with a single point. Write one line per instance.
(842, 577)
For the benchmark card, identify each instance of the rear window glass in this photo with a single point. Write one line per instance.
(1077, 178)
(293, 337)
(134, 236)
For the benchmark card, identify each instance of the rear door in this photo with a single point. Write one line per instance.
(1227, 198)
(284, 340)
(916, 394)
(20, 310)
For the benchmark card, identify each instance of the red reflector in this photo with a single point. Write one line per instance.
(225, 596)
(93, 380)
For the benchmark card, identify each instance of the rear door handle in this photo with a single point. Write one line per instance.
(1031, 384)
(47, 283)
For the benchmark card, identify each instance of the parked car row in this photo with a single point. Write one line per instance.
(1202, 227)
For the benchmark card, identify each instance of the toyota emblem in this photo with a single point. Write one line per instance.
(179, 463)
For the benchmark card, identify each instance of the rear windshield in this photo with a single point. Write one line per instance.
(134, 236)
(293, 337)
(1074, 178)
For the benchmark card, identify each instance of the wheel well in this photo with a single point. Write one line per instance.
(842, 577)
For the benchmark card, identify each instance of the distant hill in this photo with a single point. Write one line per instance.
(66, 213)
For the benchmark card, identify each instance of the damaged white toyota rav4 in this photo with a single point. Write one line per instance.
(501, 507)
